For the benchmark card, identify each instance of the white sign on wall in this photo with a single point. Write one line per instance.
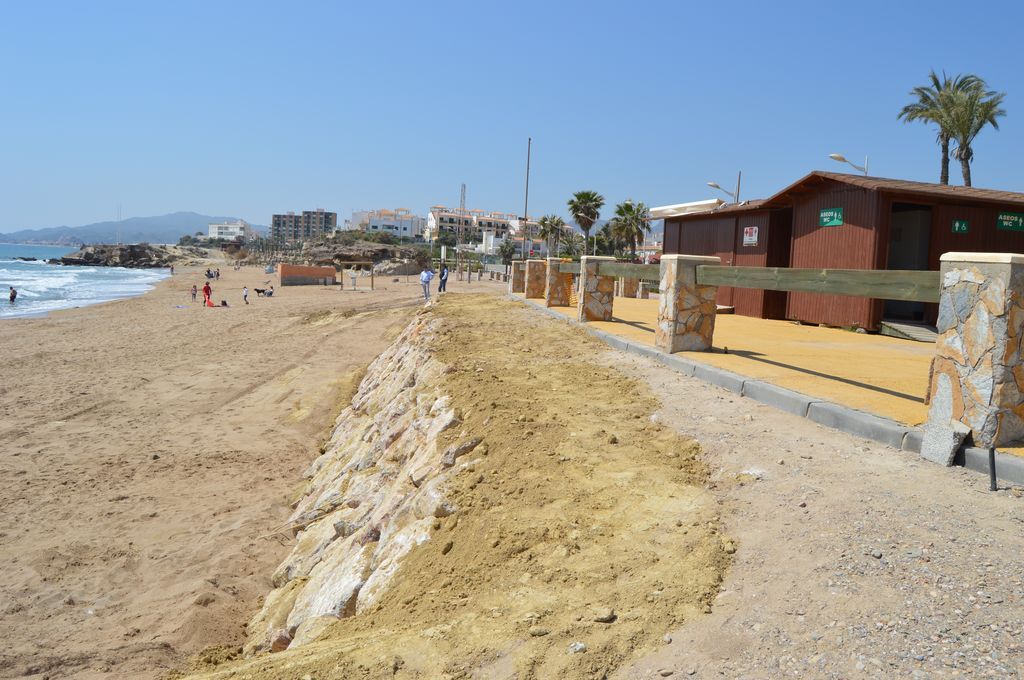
(750, 236)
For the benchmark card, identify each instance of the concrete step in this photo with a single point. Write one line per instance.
(920, 332)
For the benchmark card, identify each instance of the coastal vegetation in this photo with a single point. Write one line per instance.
(585, 209)
(961, 107)
(551, 228)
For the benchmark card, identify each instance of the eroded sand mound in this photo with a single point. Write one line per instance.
(493, 504)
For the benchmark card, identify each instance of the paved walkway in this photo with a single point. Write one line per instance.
(874, 373)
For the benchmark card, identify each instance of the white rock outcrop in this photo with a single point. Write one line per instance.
(372, 496)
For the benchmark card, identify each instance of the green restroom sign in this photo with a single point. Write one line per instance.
(830, 217)
(1008, 221)
(961, 226)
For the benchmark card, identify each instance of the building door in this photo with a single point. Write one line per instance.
(910, 228)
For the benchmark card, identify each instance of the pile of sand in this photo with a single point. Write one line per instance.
(582, 537)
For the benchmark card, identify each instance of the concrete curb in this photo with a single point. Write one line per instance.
(1009, 468)
(857, 422)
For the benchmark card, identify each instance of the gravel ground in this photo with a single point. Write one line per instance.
(853, 560)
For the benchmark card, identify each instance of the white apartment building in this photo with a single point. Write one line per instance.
(473, 223)
(398, 222)
(239, 229)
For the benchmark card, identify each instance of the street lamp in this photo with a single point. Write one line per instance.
(840, 158)
(735, 196)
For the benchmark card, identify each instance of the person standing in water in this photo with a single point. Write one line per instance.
(13, 295)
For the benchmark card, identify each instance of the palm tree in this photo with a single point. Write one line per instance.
(631, 222)
(551, 227)
(573, 245)
(971, 112)
(585, 208)
(507, 251)
(607, 240)
(934, 105)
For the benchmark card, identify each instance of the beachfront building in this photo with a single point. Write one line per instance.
(470, 225)
(400, 222)
(309, 225)
(831, 220)
(239, 230)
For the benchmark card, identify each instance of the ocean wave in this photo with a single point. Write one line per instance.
(45, 288)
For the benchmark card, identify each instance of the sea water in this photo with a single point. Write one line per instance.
(46, 287)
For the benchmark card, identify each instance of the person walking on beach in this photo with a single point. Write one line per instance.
(194, 291)
(13, 295)
(425, 276)
(245, 294)
(217, 274)
(442, 280)
(207, 293)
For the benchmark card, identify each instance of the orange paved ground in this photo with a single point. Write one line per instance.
(874, 373)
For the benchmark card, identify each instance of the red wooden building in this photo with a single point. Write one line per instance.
(840, 221)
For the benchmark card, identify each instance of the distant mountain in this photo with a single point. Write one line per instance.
(159, 229)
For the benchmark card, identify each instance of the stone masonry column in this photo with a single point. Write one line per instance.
(596, 293)
(535, 278)
(628, 287)
(557, 286)
(686, 310)
(518, 281)
(977, 376)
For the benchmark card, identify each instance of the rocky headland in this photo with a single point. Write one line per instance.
(137, 256)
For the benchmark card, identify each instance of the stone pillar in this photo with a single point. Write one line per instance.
(518, 284)
(490, 275)
(628, 288)
(686, 310)
(558, 286)
(535, 278)
(977, 377)
(644, 290)
(596, 293)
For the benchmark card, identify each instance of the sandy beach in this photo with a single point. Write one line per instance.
(150, 448)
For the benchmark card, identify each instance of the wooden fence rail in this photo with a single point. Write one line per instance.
(916, 286)
(625, 270)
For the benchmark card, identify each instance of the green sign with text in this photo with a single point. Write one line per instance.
(960, 226)
(1008, 221)
(830, 217)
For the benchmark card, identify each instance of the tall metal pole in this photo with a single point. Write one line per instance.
(739, 176)
(526, 202)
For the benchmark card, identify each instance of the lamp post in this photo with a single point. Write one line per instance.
(526, 199)
(840, 158)
(735, 196)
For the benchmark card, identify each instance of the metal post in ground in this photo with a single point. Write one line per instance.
(992, 485)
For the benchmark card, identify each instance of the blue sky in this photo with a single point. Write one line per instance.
(253, 108)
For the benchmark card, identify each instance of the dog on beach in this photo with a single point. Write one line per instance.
(260, 291)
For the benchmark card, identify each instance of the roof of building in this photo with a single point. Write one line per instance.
(714, 208)
(815, 179)
(680, 209)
